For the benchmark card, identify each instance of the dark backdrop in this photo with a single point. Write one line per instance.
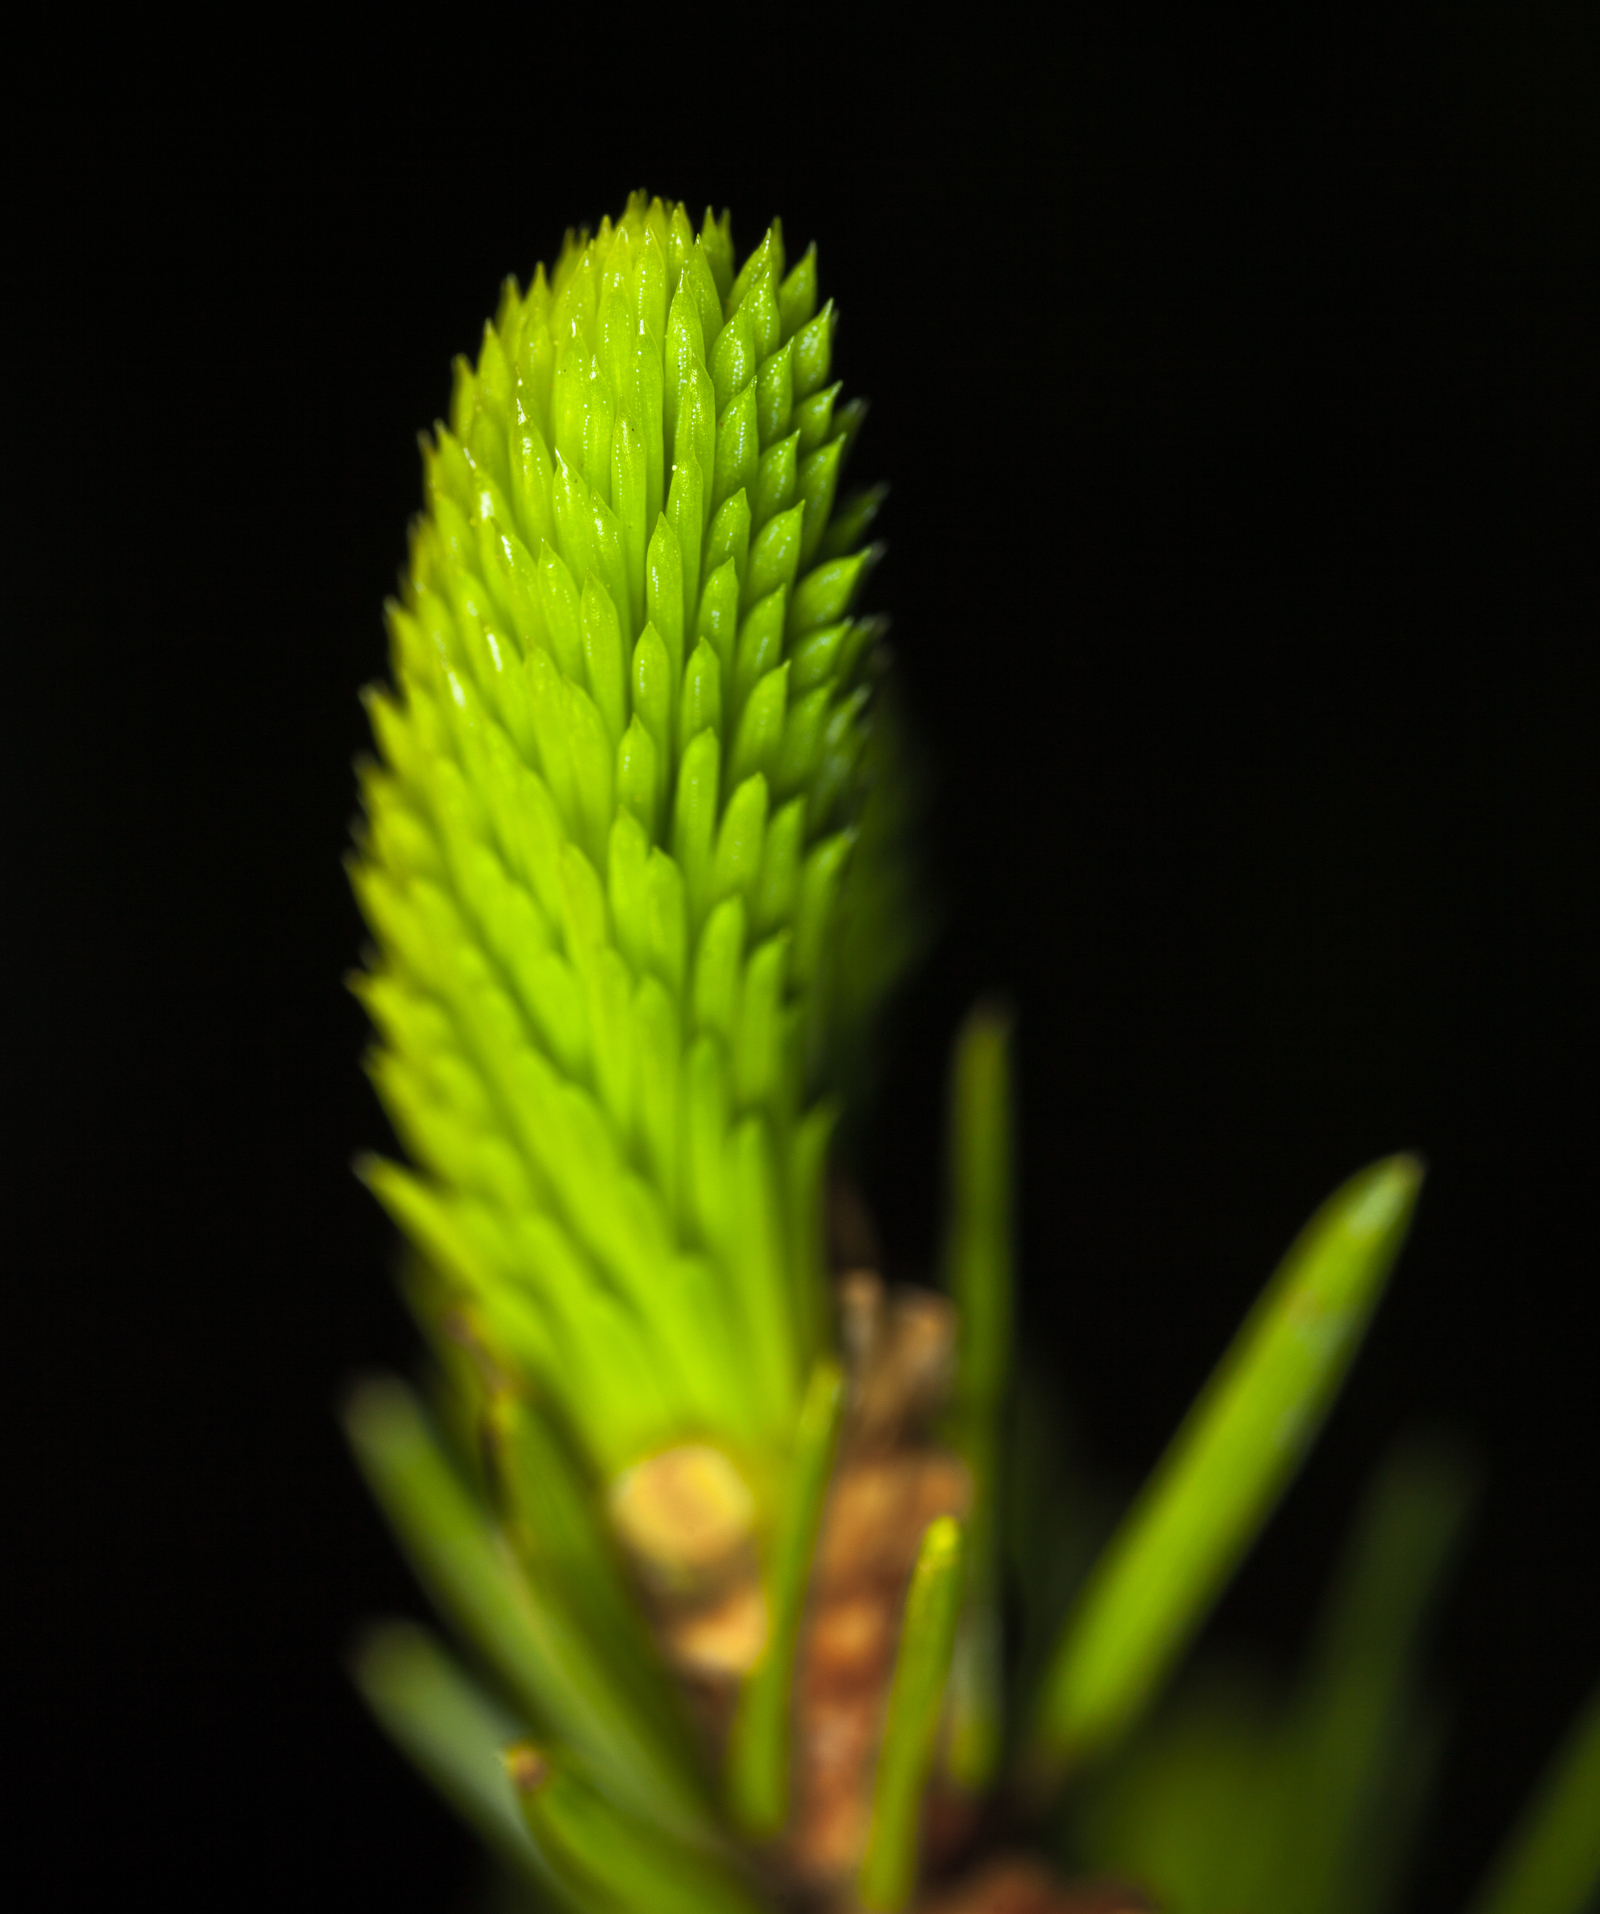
(1240, 404)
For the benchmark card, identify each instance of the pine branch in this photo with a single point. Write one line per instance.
(714, 1514)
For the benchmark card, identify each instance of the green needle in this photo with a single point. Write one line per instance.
(1224, 1470)
(916, 1698)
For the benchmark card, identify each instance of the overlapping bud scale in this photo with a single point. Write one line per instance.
(615, 796)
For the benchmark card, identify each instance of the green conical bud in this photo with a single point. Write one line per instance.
(604, 852)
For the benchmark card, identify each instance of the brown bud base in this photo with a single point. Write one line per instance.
(686, 1522)
(686, 1519)
(1022, 1887)
(890, 1482)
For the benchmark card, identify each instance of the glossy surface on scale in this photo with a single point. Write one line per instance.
(619, 786)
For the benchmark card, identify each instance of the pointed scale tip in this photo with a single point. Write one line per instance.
(1391, 1189)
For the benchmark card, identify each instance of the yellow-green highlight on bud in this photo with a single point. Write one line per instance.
(759, 1745)
(916, 1700)
(607, 840)
(1223, 1472)
(1550, 1863)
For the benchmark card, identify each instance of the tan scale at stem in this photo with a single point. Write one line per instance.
(686, 1522)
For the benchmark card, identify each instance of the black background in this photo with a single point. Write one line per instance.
(1239, 399)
